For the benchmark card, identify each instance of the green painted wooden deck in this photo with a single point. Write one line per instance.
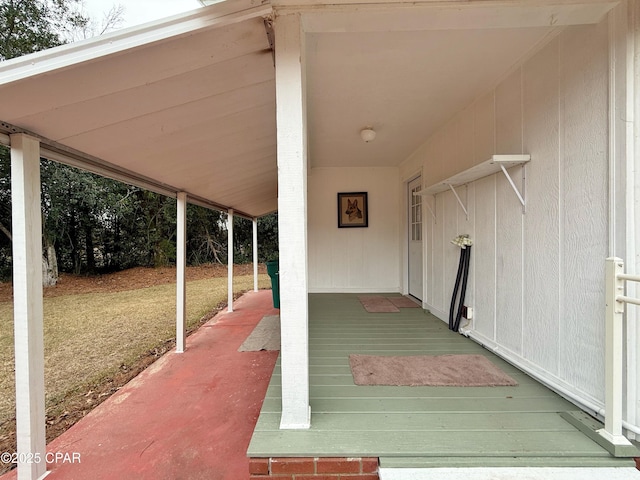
(417, 426)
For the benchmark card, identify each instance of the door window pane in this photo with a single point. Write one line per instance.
(416, 215)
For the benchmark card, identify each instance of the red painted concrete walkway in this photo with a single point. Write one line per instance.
(188, 416)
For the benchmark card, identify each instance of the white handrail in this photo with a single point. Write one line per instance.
(626, 276)
(622, 298)
(615, 300)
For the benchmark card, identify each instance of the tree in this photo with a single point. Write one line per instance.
(27, 26)
(206, 235)
(267, 239)
(111, 20)
(5, 214)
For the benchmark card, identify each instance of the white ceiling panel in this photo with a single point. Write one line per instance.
(176, 110)
(403, 84)
(188, 103)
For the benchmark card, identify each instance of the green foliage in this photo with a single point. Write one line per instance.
(268, 238)
(5, 214)
(28, 26)
(100, 225)
(242, 240)
(206, 236)
(158, 215)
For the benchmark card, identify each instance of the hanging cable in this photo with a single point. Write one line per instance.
(455, 314)
(463, 290)
(452, 308)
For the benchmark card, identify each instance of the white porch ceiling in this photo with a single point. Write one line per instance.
(188, 103)
(405, 69)
(403, 84)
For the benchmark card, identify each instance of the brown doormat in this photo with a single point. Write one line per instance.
(428, 370)
(377, 304)
(403, 302)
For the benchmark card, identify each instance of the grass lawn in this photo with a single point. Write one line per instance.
(91, 337)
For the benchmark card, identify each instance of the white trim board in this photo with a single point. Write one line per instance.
(395, 289)
(64, 56)
(502, 473)
(383, 15)
(441, 314)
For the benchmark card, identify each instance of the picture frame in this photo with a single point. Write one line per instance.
(353, 210)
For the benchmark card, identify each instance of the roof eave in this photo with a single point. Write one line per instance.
(217, 15)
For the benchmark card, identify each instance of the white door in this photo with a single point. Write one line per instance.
(415, 239)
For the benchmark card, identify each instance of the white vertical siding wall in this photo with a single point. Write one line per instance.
(541, 102)
(537, 279)
(584, 240)
(354, 259)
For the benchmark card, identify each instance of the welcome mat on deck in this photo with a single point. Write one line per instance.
(428, 370)
(403, 302)
(377, 304)
(265, 335)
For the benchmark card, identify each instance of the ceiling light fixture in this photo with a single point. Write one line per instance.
(368, 134)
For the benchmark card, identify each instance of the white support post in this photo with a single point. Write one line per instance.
(181, 262)
(255, 254)
(230, 260)
(614, 354)
(292, 220)
(28, 310)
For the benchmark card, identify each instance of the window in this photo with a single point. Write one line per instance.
(416, 214)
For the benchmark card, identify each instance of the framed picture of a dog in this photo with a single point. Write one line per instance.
(353, 209)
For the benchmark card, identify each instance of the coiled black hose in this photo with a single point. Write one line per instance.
(463, 275)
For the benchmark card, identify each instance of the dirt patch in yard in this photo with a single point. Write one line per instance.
(132, 279)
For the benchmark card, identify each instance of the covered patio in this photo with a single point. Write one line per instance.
(252, 107)
(177, 421)
(426, 428)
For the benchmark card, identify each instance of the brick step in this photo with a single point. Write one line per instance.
(314, 468)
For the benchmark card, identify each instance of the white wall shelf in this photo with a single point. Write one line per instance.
(495, 164)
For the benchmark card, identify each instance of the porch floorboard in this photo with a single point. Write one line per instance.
(417, 426)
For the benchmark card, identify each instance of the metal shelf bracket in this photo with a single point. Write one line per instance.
(521, 196)
(464, 208)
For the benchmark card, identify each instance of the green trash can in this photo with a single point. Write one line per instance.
(273, 271)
